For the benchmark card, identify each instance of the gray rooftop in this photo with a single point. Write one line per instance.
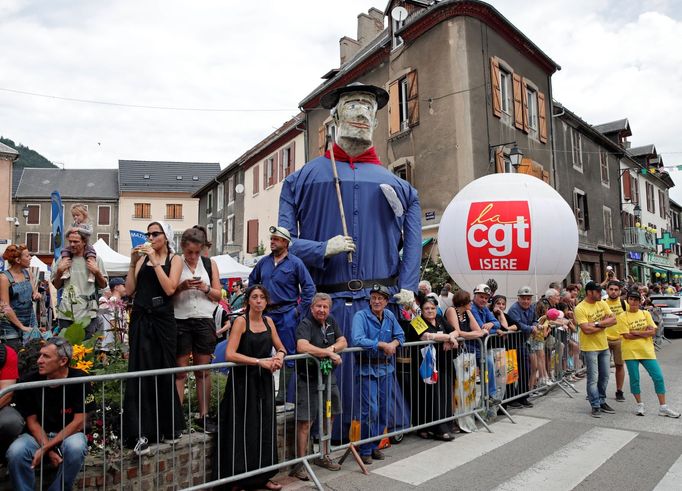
(643, 150)
(613, 126)
(164, 177)
(6, 149)
(71, 183)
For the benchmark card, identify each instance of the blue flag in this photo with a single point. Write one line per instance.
(57, 224)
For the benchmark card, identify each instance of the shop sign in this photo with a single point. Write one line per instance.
(658, 259)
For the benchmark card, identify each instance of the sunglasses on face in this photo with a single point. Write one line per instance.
(153, 235)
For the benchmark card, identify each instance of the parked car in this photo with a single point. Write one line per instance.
(671, 306)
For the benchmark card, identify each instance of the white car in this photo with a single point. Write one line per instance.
(671, 306)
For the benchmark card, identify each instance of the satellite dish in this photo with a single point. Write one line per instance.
(239, 188)
(399, 14)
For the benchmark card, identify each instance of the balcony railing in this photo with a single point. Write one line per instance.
(638, 239)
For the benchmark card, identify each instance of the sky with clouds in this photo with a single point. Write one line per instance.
(248, 65)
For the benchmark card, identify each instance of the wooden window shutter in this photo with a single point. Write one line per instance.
(526, 166)
(412, 98)
(518, 101)
(292, 157)
(542, 117)
(499, 160)
(275, 167)
(321, 139)
(393, 108)
(256, 170)
(33, 215)
(251, 236)
(265, 174)
(103, 213)
(524, 98)
(496, 93)
(627, 185)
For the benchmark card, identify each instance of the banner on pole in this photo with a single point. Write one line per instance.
(57, 225)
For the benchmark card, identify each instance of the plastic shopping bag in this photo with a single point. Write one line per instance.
(500, 365)
(512, 366)
(465, 389)
(427, 369)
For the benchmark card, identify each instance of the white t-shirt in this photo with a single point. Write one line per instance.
(193, 304)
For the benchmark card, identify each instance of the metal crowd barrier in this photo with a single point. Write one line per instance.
(390, 399)
(189, 459)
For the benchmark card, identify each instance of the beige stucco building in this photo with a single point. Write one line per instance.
(269, 163)
(7, 156)
(152, 191)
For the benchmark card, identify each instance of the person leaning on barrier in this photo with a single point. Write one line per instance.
(318, 335)
(55, 419)
(523, 315)
(11, 422)
(247, 439)
(377, 331)
(489, 325)
(435, 400)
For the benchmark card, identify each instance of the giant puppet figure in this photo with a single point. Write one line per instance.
(382, 216)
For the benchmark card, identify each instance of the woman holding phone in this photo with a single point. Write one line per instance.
(194, 303)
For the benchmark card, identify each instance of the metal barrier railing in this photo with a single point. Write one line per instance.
(101, 397)
(391, 399)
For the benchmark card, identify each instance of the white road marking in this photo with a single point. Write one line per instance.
(450, 455)
(572, 463)
(671, 481)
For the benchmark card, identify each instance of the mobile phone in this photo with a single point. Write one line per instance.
(196, 278)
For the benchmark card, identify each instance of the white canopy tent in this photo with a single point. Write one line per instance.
(114, 262)
(37, 263)
(228, 267)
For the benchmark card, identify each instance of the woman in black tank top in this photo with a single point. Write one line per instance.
(248, 437)
(152, 278)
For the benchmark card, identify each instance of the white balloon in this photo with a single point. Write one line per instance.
(514, 228)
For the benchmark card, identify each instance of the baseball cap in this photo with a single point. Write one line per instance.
(482, 288)
(280, 232)
(376, 288)
(524, 291)
(634, 294)
(115, 282)
(592, 286)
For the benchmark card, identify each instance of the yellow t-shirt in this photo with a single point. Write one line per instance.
(640, 348)
(613, 332)
(592, 312)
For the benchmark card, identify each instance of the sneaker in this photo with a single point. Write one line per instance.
(619, 396)
(366, 459)
(299, 472)
(378, 454)
(205, 425)
(327, 462)
(173, 439)
(596, 412)
(666, 411)
(639, 409)
(526, 403)
(142, 447)
(605, 408)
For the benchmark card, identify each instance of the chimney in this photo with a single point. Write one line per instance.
(348, 47)
(370, 25)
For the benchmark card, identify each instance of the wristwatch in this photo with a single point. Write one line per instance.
(596, 324)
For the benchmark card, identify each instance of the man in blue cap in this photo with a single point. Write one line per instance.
(383, 216)
(287, 281)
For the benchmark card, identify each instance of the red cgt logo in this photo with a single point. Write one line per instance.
(498, 236)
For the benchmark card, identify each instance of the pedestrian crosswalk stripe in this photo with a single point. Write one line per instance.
(672, 479)
(448, 456)
(572, 463)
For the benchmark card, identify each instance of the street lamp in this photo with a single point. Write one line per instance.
(25, 211)
(514, 156)
(637, 211)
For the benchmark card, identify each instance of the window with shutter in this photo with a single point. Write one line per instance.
(496, 92)
(403, 110)
(518, 101)
(33, 217)
(173, 211)
(104, 215)
(524, 99)
(104, 237)
(142, 210)
(393, 108)
(256, 176)
(412, 99)
(542, 118)
(500, 166)
(608, 226)
(627, 186)
(32, 241)
(251, 236)
(292, 158)
(321, 139)
(604, 167)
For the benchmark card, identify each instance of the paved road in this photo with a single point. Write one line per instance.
(555, 445)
